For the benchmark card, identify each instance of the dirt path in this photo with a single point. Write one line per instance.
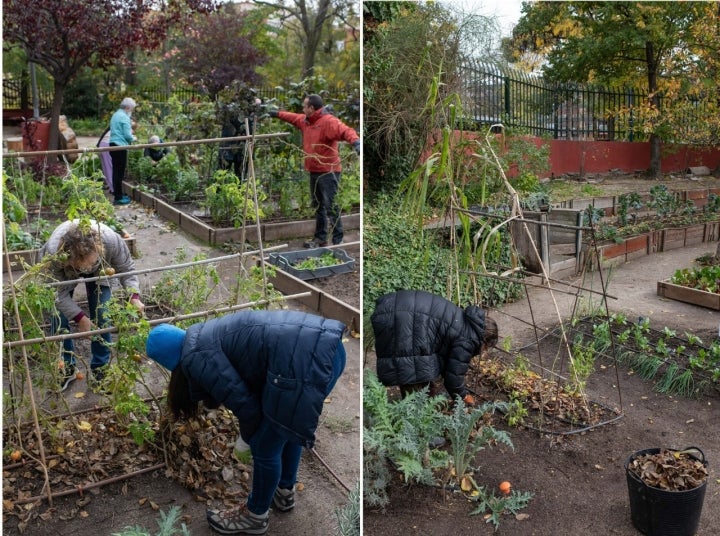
(578, 481)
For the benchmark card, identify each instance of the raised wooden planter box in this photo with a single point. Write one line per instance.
(322, 303)
(612, 254)
(216, 236)
(688, 295)
(30, 256)
(608, 204)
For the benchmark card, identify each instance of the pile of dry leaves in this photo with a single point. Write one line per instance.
(548, 402)
(670, 470)
(89, 450)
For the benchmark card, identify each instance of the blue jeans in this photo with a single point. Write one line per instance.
(323, 188)
(96, 295)
(275, 464)
(275, 459)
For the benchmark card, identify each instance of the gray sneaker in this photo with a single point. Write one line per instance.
(238, 520)
(284, 499)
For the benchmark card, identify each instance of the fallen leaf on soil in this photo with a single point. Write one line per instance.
(81, 394)
(522, 517)
(466, 484)
(83, 513)
(299, 486)
(155, 506)
(142, 500)
(84, 426)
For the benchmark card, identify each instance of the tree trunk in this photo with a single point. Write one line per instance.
(54, 138)
(655, 164)
(717, 252)
(313, 28)
(652, 70)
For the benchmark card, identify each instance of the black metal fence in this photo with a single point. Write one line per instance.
(562, 111)
(16, 96)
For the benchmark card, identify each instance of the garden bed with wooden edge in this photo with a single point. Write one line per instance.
(217, 236)
(612, 253)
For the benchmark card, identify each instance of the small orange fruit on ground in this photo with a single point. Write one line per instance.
(79, 375)
(505, 487)
(15, 455)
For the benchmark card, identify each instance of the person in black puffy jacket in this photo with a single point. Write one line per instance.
(420, 336)
(273, 370)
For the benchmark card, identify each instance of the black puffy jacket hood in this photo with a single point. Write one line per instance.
(420, 336)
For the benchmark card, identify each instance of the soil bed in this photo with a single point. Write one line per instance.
(578, 480)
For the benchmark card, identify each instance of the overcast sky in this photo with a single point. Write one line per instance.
(506, 11)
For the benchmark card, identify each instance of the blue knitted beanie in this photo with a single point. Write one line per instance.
(164, 345)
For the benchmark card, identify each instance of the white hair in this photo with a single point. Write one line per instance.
(128, 103)
(154, 139)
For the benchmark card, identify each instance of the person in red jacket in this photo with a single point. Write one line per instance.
(321, 132)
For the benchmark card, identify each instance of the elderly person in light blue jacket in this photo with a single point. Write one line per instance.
(77, 250)
(121, 134)
(273, 370)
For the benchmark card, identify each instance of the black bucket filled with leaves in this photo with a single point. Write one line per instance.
(667, 490)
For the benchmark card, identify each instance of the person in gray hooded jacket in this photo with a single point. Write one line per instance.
(420, 336)
(77, 250)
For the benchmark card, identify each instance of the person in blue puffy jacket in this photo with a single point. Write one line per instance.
(273, 370)
(421, 336)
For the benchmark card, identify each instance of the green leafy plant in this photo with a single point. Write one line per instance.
(348, 517)
(488, 501)
(187, 290)
(582, 365)
(313, 263)
(663, 201)
(166, 526)
(592, 216)
(466, 440)
(229, 200)
(625, 203)
(86, 200)
(399, 433)
(516, 410)
(706, 278)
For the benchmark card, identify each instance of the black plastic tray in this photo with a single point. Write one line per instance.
(287, 261)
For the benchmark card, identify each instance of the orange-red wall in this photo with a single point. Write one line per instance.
(569, 156)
